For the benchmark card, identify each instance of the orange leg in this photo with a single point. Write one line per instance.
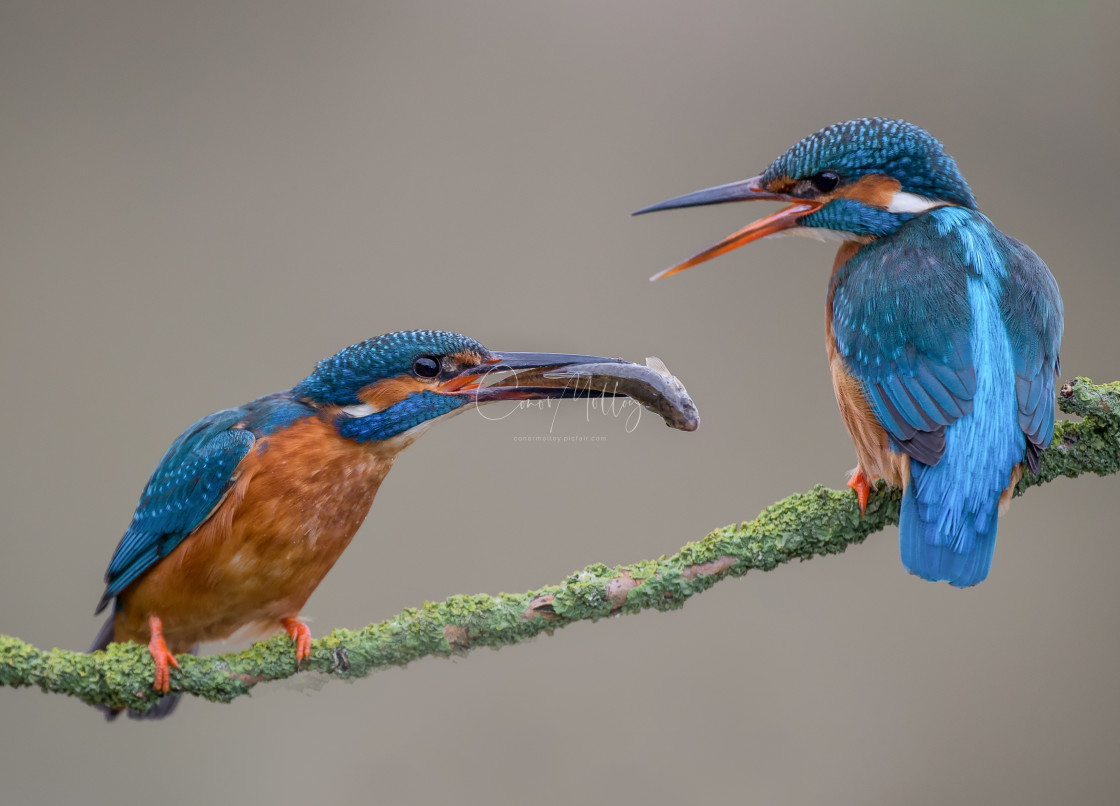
(301, 637)
(162, 656)
(862, 487)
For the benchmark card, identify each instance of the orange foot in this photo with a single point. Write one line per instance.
(301, 637)
(162, 656)
(862, 487)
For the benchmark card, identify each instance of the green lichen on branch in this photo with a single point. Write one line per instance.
(801, 526)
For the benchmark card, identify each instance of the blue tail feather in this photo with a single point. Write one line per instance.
(938, 543)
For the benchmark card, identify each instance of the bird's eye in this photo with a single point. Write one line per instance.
(826, 181)
(425, 367)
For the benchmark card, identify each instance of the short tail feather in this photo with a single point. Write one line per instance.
(944, 535)
(161, 709)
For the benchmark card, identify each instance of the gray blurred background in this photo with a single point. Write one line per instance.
(199, 200)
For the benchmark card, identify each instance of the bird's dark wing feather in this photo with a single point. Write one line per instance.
(1032, 308)
(188, 484)
(901, 317)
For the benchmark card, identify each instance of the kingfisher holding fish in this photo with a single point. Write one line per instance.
(942, 332)
(251, 506)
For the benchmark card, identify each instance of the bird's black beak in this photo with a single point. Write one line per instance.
(746, 190)
(497, 377)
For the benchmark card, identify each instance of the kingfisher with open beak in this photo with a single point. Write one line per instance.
(251, 506)
(942, 332)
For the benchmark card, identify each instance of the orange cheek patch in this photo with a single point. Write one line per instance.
(874, 190)
(390, 391)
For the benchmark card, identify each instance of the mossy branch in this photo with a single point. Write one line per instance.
(804, 525)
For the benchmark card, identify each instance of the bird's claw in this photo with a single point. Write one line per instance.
(301, 637)
(862, 487)
(161, 656)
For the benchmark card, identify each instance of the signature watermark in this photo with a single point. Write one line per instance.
(613, 404)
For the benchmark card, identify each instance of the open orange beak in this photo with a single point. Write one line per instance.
(746, 190)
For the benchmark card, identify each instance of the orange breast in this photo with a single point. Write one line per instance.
(298, 498)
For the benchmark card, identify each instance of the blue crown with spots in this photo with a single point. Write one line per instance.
(338, 379)
(877, 145)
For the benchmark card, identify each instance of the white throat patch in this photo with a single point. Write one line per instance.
(820, 234)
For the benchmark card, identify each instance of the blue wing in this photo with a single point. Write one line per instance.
(188, 484)
(901, 318)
